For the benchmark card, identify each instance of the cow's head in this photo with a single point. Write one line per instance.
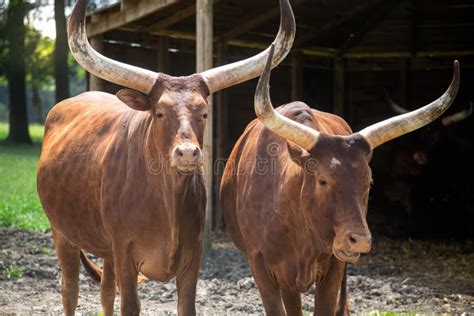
(418, 148)
(178, 105)
(179, 110)
(337, 175)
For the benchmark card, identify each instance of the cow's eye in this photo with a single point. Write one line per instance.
(159, 115)
(204, 116)
(323, 182)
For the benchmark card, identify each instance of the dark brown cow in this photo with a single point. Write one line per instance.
(294, 196)
(409, 157)
(121, 176)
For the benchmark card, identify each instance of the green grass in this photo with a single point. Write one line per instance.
(36, 132)
(14, 272)
(19, 202)
(377, 313)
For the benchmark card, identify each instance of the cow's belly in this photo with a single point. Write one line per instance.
(164, 240)
(72, 205)
(167, 252)
(295, 275)
(70, 195)
(165, 263)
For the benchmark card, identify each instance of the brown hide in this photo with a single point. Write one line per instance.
(125, 183)
(107, 185)
(295, 191)
(278, 216)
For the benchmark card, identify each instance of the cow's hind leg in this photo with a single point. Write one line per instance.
(108, 287)
(292, 302)
(269, 290)
(186, 283)
(68, 257)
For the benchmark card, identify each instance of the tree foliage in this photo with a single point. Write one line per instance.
(39, 52)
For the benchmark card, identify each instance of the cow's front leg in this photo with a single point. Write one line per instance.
(269, 290)
(186, 282)
(126, 273)
(327, 289)
(292, 302)
(108, 288)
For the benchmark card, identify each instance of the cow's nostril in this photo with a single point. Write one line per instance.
(195, 153)
(352, 240)
(359, 242)
(179, 152)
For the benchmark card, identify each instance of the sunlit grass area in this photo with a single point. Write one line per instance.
(378, 313)
(19, 202)
(36, 132)
(389, 313)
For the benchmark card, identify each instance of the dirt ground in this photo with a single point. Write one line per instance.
(415, 276)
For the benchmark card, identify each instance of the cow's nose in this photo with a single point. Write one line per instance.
(186, 157)
(360, 242)
(187, 152)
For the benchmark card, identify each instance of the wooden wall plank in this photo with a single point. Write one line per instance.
(96, 83)
(134, 12)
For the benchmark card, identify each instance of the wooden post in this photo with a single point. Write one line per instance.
(404, 83)
(339, 88)
(163, 55)
(297, 64)
(222, 135)
(204, 39)
(127, 4)
(95, 83)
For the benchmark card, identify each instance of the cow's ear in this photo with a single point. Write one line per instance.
(298, 154)
(134, 99)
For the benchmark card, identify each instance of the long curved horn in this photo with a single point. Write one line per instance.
(457, 117)
(125, 75)
(293, 131)
(225, 76)
(397, 126)
(393, 105)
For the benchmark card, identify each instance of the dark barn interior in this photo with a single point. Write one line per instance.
(347, 56)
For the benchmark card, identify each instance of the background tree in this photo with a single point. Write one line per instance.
(3, 38)
(61, 73)
(39, 53)
(16, 72)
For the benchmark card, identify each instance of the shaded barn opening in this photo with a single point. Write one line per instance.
(347, 53)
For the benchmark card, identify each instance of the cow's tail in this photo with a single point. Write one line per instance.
(343, 308)
(91, 268)
(96, 273)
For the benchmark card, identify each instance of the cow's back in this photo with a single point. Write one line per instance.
(80, 135)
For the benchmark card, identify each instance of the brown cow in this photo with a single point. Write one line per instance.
(121, 176)
(407, 159)
(294, 196)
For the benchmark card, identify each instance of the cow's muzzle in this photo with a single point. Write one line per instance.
(350, 245)
(186, 157)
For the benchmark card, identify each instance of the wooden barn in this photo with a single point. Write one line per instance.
(346, 55)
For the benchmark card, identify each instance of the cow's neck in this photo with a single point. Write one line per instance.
(167, 179)
(174, 202)
(301, 209)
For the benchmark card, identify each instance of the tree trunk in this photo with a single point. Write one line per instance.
(37, 104)
(61, 71)
(18, 133)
